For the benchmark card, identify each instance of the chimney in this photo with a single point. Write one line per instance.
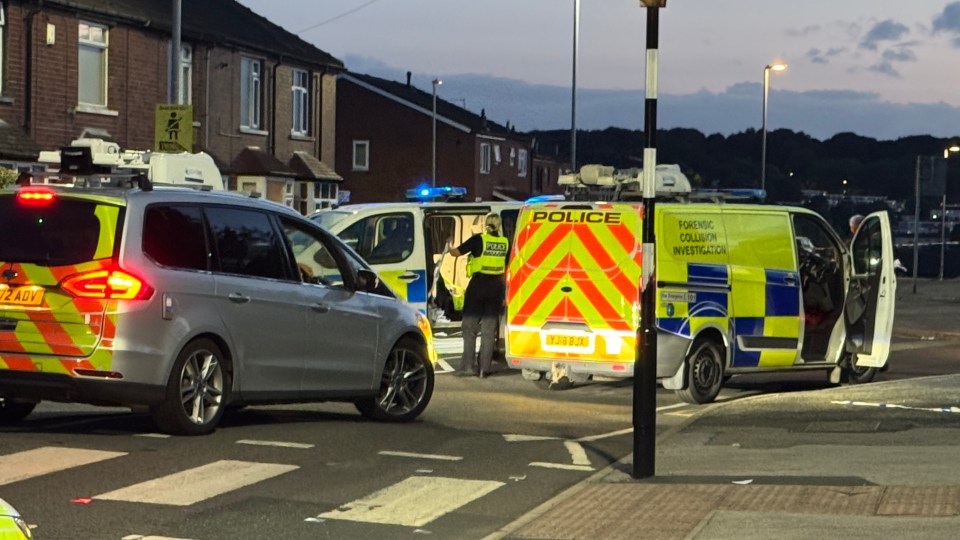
(408, 78)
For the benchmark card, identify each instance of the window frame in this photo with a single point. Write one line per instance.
(3, 49)
(300, 103)
(103, 49)
(365, 165)
(484, 158)
(522, 158)
(186, 74)
(251, 93)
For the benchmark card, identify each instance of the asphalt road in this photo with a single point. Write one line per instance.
(484, 453)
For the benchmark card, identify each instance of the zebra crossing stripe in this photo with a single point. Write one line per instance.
(194, 485)
(46, 460)
(403, 502)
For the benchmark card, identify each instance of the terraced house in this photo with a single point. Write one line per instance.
(263, 100)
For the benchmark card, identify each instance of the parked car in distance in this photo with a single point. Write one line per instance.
(187, 301)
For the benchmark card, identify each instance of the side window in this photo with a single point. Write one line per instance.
(393, 239)
(868, 248)
(813, 238)
(174, 236)
(313, 254)
(756, 240)
(247, 243)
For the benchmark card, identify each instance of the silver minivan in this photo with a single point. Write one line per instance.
(188, 302)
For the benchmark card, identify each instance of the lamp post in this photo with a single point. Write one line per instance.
(776, 66)
(573, 97)
(433, 168)
(943, 211)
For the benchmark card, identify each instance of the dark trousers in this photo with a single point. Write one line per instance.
(482, 307)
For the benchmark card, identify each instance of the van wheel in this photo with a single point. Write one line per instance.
(406, 385)
(14, 410)
(704, 372)
(857, 375)
(531, 374)
(197, 391)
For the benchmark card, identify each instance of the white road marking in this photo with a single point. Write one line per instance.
(281, 444)
(47, 459)
(912, 345)
(945, 409)
(150, 537)
(420, 456)
(194, 485)
(153, 435)
(605, 435)
(527, 438)
(560, 466)
(577, 453)
(447, 368)
(404, 502)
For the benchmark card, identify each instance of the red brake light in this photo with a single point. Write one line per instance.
(107, 284)
(36, 196)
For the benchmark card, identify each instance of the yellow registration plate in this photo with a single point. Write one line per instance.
(27, 295)
(563, 340)
(568, 343)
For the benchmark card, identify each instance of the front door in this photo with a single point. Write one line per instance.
(868, 312)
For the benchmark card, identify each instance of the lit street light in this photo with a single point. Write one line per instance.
(776, 66)
(433, 170)
(943, 211)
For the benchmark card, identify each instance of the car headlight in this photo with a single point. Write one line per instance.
(22, 525)
(424, 323)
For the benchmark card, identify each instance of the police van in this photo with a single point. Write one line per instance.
(404, 242)
(740, 288)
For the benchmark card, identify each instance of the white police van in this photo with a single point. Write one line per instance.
(404, 243)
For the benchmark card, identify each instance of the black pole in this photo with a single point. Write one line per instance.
(645, 367)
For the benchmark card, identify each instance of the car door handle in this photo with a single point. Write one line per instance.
(320, 308)
(790, 280)
(410, 276)
(238, 298)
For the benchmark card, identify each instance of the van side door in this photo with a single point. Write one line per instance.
(868, 312)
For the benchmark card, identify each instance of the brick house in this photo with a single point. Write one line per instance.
(385, 145)
(264, 101)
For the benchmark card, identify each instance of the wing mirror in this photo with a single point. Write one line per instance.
(367, 280)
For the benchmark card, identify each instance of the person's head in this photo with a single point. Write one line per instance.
(492, 224)
(855, 221)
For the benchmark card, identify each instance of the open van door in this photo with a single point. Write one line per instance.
(868, 312)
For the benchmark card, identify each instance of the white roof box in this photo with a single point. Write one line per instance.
(185, 169)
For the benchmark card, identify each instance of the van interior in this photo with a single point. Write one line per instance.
(821, 277)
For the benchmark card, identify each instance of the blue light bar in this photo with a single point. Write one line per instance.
(440, 193)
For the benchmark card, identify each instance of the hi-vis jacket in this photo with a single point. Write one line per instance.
(493, 258)
(739, 288)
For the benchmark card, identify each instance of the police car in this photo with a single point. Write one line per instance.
(740, 288)
(12, 526)
(186, 301)
(405, 243)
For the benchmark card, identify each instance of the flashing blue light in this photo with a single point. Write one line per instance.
(442, 193)
(545, 198)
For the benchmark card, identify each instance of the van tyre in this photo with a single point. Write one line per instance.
(14, 410)
(857, 375)
(704, 372)
(197, 391)
(406, 385)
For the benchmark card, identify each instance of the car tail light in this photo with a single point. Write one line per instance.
(107, 284)
(36, 196)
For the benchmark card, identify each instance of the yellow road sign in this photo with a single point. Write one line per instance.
(173, 130)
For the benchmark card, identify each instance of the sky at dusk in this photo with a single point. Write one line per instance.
(881, 68)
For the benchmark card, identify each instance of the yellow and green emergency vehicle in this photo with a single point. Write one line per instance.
(740, 288)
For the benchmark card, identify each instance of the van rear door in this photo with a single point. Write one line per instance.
(573, 284)
(870, 299)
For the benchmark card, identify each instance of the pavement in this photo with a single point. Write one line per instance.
(851, 462)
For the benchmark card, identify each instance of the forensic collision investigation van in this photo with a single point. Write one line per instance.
(740, 288)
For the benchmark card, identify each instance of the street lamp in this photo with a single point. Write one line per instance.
(573, 97)
(433, 169)
(943, 211)
(776, 66)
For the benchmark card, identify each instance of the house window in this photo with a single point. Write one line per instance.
(92, 65)
(522, 163)
(251, 93)
(513, 156)
(484, 158)
(361, 155)
(496, 153)
(186, 73)
(301, 102)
